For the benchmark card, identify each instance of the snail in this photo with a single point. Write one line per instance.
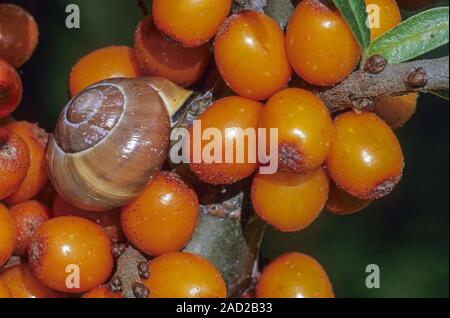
(111, 139)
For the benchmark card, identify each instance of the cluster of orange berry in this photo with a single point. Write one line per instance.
(340, 163)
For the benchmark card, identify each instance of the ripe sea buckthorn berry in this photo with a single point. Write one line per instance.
(109, 220)
(341, 203)
(184, 275)
(10, 89)
(23, 284)
(232, 116)
(415, 4)
(18, 34)
(290, 202)
(101, 64)
(28, 216)
(384, 16)
(305, 129)
(320, 45)
(37, 176)
(190, 22)
(396, 111)
(68, 245)
(160, 56)
(102, 292)
(163, 218)
(14, 161)
(365, 158)
(294, 275)
(250, 54)
(4, 290)
(8, 234)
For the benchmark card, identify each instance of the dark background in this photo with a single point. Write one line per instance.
(406, 234)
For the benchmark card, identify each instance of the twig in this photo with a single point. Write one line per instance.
(359, 90)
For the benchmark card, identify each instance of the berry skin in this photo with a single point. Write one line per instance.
(389, 16)
(250, 54)
(365, 159)
(290, 202)
(14, 162)
(305, 129)
(163, 218)
(190, 22)
(28, 216)
(294, 275)
(101, 64)
(397, 111)
(18, 34)
(8, 234)
(21, 283)
(37, 176)
(4, 290)
(415, 4)
(102, 292)
(341, 203)
(11, 89)
(67, 241)
(109, 220)
(160, 56)
(227, 113)
(184, 275)
(320, 46)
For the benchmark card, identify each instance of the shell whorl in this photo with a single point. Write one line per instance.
(109, 142)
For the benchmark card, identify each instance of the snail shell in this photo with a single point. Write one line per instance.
(111, 139)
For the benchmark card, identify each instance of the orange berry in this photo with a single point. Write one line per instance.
(67, 246)
(341, 203)
(109, 220)
(385, 15)
(8, 234)
(101, 64)
(23, 284)
(415, 4)
(396, 111)
(294, 275)
(190, 22)
(250, 54)
(18, 34)
(28, 216)
(232, 116)
(4, 290)
(320, 45)
(184, 275)
(163, 218)
(160, 56)
(10, 89)
(290, 202)
(365, 159)
(37, 176)
(14, 162)
(102, 292)
(305, 129)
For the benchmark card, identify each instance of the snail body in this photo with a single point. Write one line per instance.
(111, 139)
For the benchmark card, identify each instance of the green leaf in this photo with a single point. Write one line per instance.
(355, 13)
(416, 36)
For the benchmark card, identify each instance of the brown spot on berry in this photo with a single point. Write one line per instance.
(291, 159)
(140, 290)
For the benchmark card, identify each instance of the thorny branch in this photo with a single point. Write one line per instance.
(361, 89)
